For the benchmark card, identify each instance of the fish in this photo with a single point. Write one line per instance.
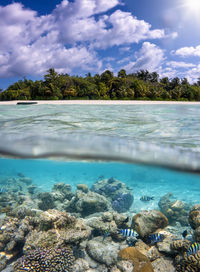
(146, 198)
(193, 249)
(127, 232)
(106, 233)
(156, 237)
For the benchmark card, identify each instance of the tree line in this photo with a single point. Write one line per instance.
(141, 85)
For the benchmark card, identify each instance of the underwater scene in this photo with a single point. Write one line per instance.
(100, 188)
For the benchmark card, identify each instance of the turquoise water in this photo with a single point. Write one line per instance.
(142, 180)
(85, 143)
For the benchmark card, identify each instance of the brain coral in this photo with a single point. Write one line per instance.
(189, 263)
(43, 260)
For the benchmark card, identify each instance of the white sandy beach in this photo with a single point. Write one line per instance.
(101, 102)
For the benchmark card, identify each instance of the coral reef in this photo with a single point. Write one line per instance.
(147, 222)
(140, 261)
(189, 263)
(111, 221)
(87, 203)
(194, 220)
(13, 234)
(40, 226)
(118, 193)
(185, 262)
(180, 246)
(103, 253)
(52, 260)
(56, 229)
(194, 217)
(46, 201)
(174, 210)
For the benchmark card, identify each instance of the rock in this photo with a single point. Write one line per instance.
(81, 265)
(147, 222)
(56, 219)
(107, 217)
(174, 210)
(9, 268)
(103, 253)
(101, 224)
(140, 261)
(62, 192)
(82, 187)
(26, 180)
(46, 201)
(197, 234)
(118, 193)
(59, 235)
(194, 217)
(125, 266)
(13, 233)
(31, 189)
(163, 265)
(151, 253)
(115, 269)
(87, 204)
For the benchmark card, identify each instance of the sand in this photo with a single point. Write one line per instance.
(102, 102)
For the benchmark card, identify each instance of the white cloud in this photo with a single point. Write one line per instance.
(193, 74)
(180, 64)
(124, 29)
(68, 38)
(46, 53)
(188, 51)
(150, 57)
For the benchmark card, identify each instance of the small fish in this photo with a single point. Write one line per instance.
(146, 198)
(127, 232)
(156, 237)
(106, 234)
(193, 249)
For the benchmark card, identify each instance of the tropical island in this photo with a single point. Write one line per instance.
(142, 85)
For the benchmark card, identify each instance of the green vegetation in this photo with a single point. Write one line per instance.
(140, 85)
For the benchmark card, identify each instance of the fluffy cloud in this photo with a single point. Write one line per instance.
(67, 38)
(150, 57)
(193, 74)
(117, 29)
(188, 51)
(37, 58)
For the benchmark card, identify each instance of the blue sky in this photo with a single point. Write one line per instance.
(82, 36)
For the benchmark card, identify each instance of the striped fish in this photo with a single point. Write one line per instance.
(146, 198)
(127, 232)
(193, 248)
(156, 237)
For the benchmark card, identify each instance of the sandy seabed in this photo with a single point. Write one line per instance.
(101, 102)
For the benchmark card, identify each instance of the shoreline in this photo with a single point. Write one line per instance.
(101, 102)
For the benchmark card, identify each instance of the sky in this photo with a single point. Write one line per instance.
(81, 36)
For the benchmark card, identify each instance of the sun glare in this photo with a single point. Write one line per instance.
(192, 6)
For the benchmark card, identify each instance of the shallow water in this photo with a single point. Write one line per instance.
(149, 151)
(141, 179)
(171, 125)
(169, 134)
